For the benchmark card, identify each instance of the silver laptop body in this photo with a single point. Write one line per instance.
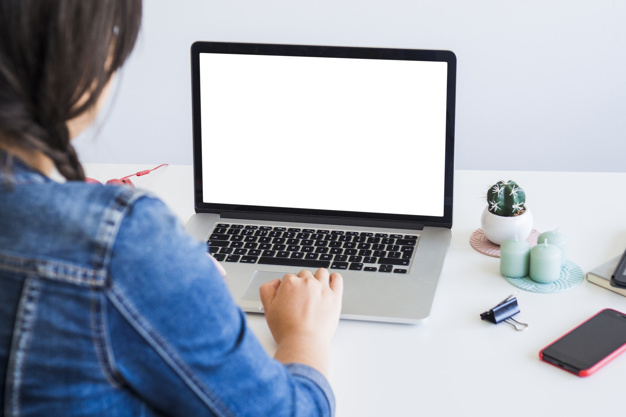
(345, 144)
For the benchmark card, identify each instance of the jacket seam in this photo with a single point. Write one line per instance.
(166, 352)
(53, 270)
(22, 334)
(104, 352)
(109, 227)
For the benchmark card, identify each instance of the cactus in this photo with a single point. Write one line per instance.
(506, 198)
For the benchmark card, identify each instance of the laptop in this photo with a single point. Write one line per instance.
(322, 156)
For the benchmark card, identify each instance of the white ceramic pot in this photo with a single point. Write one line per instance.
(498, 228)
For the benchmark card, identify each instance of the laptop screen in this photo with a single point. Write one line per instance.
(342, 131)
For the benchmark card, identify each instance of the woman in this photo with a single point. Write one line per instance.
(106, 306)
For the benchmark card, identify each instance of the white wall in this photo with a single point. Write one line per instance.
(541, 83)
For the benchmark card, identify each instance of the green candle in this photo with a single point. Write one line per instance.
(514, 258)
(545, 263)
(557, 239)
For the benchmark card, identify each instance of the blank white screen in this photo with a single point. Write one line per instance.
(324, 133)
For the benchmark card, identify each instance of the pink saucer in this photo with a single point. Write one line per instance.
(479, 241)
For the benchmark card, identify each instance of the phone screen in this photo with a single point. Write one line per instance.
(590, 345)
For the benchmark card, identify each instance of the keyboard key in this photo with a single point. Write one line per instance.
(219, 243)
(306, 263)
(399, 271)
(233, 258)
(385, 268)
(405, 242)
(219, 257)
(218, 236)
(248, 259)
(339, 265)
(394, 261)
(370, 269)
(355, 266)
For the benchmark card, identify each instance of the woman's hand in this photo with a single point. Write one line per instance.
(302, 313)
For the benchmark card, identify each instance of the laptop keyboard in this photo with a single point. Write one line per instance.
(313, 248)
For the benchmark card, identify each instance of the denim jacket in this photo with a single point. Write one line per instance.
(108, 308)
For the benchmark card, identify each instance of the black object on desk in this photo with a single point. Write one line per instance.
(618, 278)
(504, 312)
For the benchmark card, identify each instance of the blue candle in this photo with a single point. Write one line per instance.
(557, 239)
(514, 258)
(545, 263)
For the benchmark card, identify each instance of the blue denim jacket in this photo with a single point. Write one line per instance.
(108, 308)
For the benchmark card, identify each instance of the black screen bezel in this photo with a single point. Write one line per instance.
(324, 216)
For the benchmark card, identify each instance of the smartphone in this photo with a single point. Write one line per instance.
(618, 278)
(591, 345)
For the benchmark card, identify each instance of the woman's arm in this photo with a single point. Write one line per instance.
(178, 341)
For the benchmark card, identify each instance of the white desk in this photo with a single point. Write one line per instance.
(456, 364)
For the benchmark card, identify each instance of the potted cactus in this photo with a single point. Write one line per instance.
(506, 215)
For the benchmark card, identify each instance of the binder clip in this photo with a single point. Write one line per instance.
(504, 312)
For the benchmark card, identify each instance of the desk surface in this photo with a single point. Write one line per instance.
(456, 364)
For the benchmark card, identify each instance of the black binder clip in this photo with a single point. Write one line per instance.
(504, 312)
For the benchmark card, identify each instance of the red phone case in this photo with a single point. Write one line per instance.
(598, 365)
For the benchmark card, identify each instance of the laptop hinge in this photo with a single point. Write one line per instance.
(296, 218)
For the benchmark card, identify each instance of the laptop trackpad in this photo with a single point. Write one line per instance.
(259, 278)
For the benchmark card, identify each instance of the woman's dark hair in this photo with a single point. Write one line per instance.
(53, 52)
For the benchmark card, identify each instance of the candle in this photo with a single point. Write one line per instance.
(545, 263)
(514, 258)
(557, 239)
